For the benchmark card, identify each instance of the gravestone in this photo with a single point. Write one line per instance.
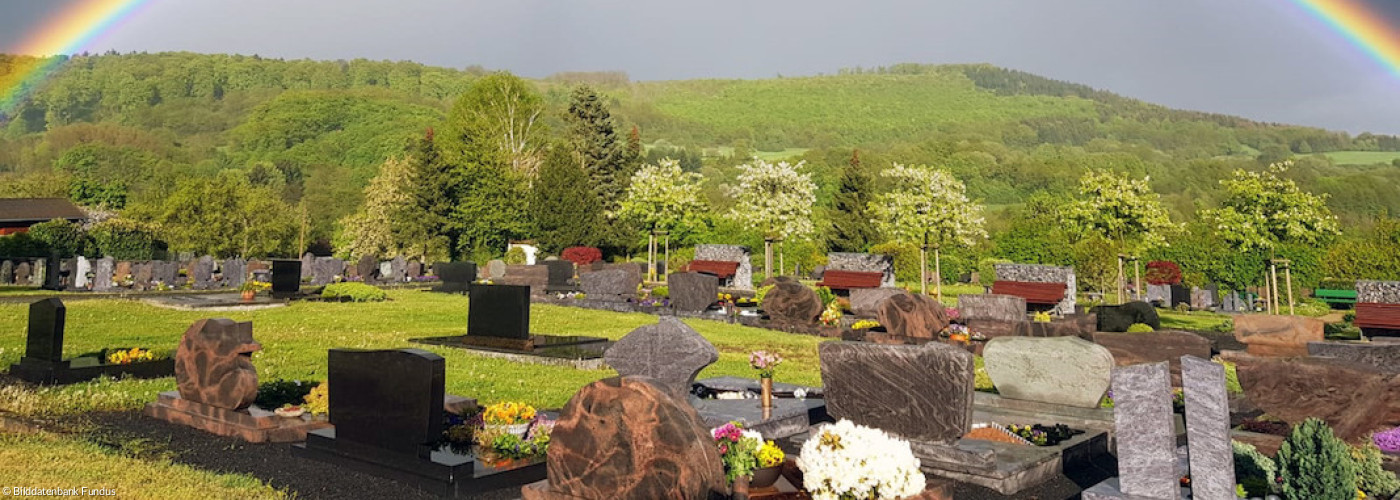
(7, 273)
(919, 392)
(692, 292)
(214, 364)
(1201, 299)
(668, 352)
(308, 261)
(1166, 345)
(398, 269)
(1208, 429)
(910, 315)
(141, 276)
(166, 272)
(386, 271)
(45, 274)
(743, 276)
(80, 273)
(22, 273)
(202, 272)
(45, 339)
(415, 270)
(1159, 294)
(611, 285)
(1379, 355)
(387, 399)
(1142, 414)
(626, 438)
(325, 270)
(992, 307)
(864, 301)
(235, 272)
(455, 276)
(1180, 295)
(1277, 335)
(1066, 371)
(1118, 318)
(122, 272)
(499, 311)
(286, 278)
(1355, 399)
(102, 274)
(365, 268)
(561, 275)
(1231, 302)
(495, 269)
(534, 276)
(792, 303)
(864, 262)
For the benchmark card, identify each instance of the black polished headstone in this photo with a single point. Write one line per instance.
(286, 277)
(46, 330)
(561, 272)
(388, 399)
(499, 311)
(455, 276)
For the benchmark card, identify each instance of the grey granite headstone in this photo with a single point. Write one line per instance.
(669, 351)
(692, 292)
(1159, 293)
(7, 273)
(365, 269)
(561, 275)
(397, 269)
(80, 273)
(202, 272)
(495, 269)
(325, 269)
(992, 307)
(1142, 415)
(235, 271)
(920, 392)
(44, 274)
(141, 276)
(22, 273)
(307, 260)
(612, 285)
(864, 301)
(166, 272)
(1380, 355)
(863, 262)
(1058, 370)
(743, 277)
(1208, 429)
(102, 274)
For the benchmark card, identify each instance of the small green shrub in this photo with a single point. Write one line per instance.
(826, 295)
(1254, 470)
(1227, 326)
(515, 256)
(762, 292)
(1349, 317)
(660, 292)
(1232, 377)
(357, 292)
(1370, 476)
(1140, 328)
(1312, 308)
(1315, 465)
(274, 394)
(1183, 308)
(982, 382)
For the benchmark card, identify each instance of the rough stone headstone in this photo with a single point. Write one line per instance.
(455, 276)
(202, 272)
(415, 269)
(1167, 345)
(45, 338)
(286, 277)
(398, 269)
(102, 275)
(692, 292)
(992, 307)
(235, 272)
(1380, 355)
(214, 364)
(387, 399)
(792, 303)
(7, 273)
(669, 352)
(307, 261)
(864, 262)
(22, 273)
(612, 285)
(1159, 294)
(1208, 428)
(1034, 273)
(1066, 371)
(1201, 299)
(141, 275)
(1353, 398)
(122, 272)
(864, 301)
(385, 270)
(921, 392)
(624, 438)
(561, 274)
(1277, 335)
(80, 273)
(911, 315)
(743, 276)
(365, 268)
(325, 269)
(1118, 318)
(1142, 414)
(44, 274)
(501, 311)
(495, 269)
(166, 272)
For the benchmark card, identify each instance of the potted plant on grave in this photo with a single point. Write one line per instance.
(766, 363)
(317, 403)
(129, 356)
(250, 289)
(770, 465)
(738, 450)
(498, 447)
(509, 416)
(845, 460)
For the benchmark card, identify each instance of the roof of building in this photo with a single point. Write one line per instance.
(38, 210)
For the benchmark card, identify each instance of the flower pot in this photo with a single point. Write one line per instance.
(248, 295)
(767, 384)
(518, 430)
(765, 477)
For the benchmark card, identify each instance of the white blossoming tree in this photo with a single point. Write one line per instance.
(1264, 209)
(1126, 212)
(929, 208)
(661, 198)
(774, 199)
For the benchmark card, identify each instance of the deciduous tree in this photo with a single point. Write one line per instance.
(929, 208)
(774, 199)
(660, 198)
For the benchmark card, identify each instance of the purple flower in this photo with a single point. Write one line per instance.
(1388, 441)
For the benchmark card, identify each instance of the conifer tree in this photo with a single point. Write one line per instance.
(851, 229)
(566, 211)
(602, 153)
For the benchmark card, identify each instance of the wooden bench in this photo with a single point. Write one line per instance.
(1373, 315)
(1335, 296)
(1034, 293)
(837, 279)
(718, 268)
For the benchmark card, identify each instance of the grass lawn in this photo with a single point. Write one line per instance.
(1200, 321)
(295, 340)
(1363, 157)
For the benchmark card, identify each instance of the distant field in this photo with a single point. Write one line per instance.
(1363, 157)
(766, 155)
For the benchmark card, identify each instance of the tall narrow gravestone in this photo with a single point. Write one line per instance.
(43, 361)
(45, 341)
(1208, 429)
(1142, 413)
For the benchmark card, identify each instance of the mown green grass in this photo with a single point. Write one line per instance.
(54, 461)
(295, 340)
(1362, 157)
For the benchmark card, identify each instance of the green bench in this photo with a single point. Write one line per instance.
(1335, 296)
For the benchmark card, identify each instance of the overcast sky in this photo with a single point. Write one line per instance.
(1262, 59)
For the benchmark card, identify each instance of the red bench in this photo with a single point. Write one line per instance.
(718, 268)
(1034, 293)
(846, 280)
(1373, 315)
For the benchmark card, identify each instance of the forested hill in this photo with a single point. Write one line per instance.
(123, 130)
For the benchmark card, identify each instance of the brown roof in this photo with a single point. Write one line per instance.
(38, 210)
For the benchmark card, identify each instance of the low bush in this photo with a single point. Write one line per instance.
(1254, 470)
(661, 292)
(515, 256)
(1140, 328)
(1371, 477)
(826, 295)
(274, 394)
(357, 292)
(1312, 308)
(582, 256)
(1314, 464)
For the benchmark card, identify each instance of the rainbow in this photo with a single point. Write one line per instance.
(71, 31)
(1361, 25)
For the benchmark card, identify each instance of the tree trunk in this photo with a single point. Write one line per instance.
(651, 256)
(937, 275)
(767, 258)
(1120, 279)
(1137, 280)
(668, 252)
(1288, 281)
(923, 270)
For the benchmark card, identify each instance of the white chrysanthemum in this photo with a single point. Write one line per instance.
(845, 459)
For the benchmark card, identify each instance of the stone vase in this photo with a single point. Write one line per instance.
(767, 384)
(518, 430)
